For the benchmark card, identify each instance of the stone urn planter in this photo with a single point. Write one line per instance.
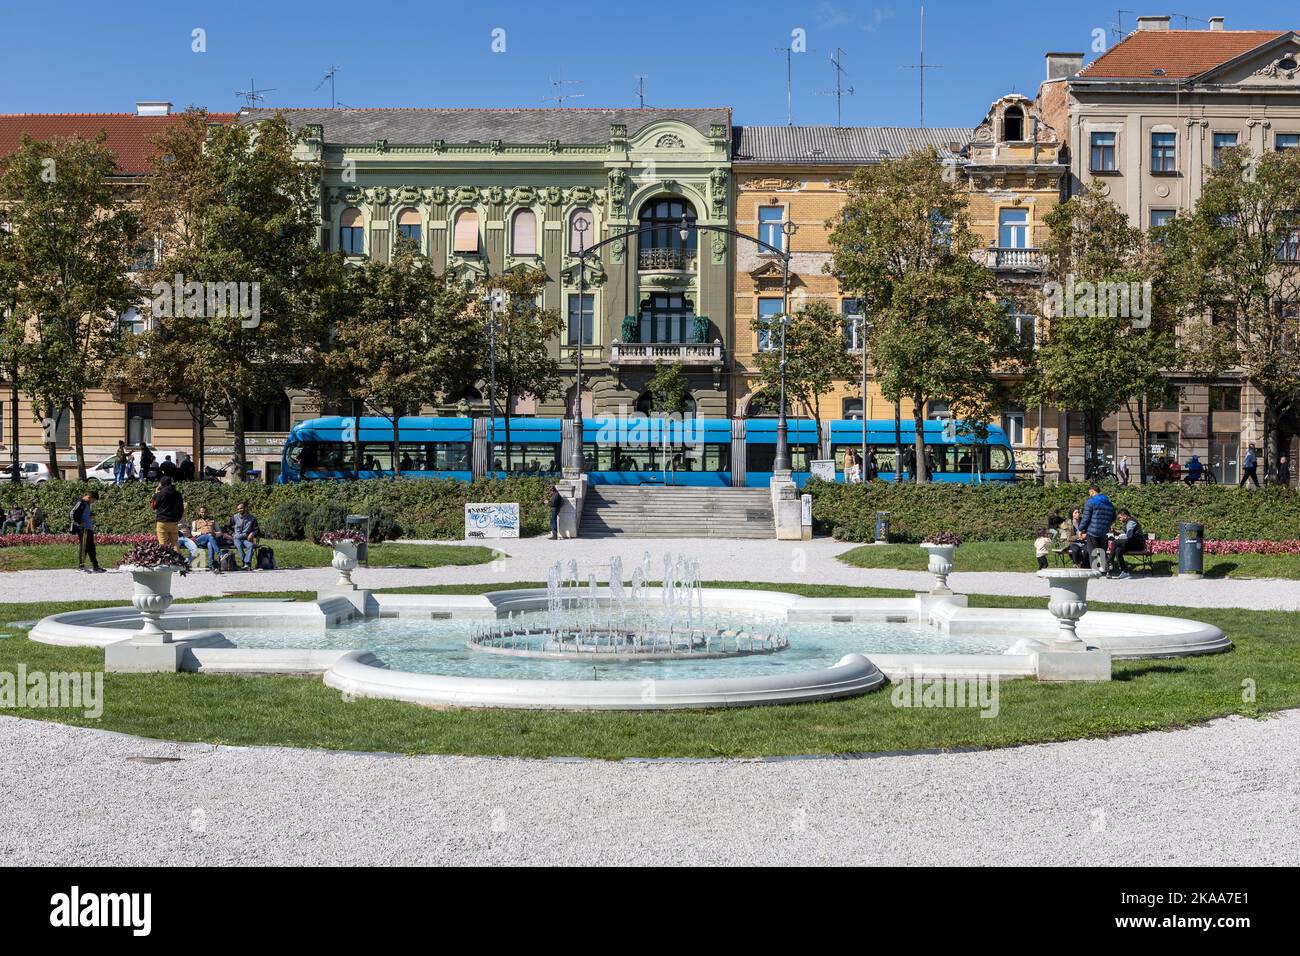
(151, 567)
(941, 548)
(344, 560)
(1068, 599)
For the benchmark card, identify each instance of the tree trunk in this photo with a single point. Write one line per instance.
(78, 405)
(199, 463)
(918, 417)
(510, 403)
(52, 449)
(898, 444)
(15, 454)
(240, 457)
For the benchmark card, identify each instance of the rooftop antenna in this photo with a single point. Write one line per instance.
(1187, 19)
(252, 96)
(839, 92)
(923, 66)
(788, 50)
(560, 96)
(1117, 27)
(329, 77)
(640, 89)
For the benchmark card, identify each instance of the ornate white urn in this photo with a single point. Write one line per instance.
(344, 562)
(152, 597)
(1068, 599)
(940, 565)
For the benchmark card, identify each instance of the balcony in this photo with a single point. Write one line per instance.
(665, 260)
(1021, 260)
(674, 353)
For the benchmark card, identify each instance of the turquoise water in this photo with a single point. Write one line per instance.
(438, 647)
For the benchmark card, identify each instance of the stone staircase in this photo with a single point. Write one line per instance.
(657, 511)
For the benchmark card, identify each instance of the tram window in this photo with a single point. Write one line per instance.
(377, 456)
(527, 457)
(762, 457)
(326, 455)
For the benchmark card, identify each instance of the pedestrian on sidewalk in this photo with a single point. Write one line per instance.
(557, 502)
(83, 526)
(120, 458)
(169, 507)
(1248, 467)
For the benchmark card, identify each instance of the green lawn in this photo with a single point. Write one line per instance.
(288, 554)
(1145, 695)
(1019, 556)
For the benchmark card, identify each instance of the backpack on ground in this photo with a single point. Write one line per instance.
(226, 561)
(264, 559)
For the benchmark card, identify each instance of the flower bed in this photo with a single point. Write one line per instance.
(1170, 546)
(26, 540)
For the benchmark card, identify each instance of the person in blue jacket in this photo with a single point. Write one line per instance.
(1094, 524)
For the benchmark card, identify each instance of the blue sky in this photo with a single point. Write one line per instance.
(80, 56)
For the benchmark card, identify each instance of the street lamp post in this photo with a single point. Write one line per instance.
(863, 327)
(496, 301)
(782, 462)
(580, 225)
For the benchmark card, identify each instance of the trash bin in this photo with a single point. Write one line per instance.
(882, 527)
(362, 524)
(1191, 548)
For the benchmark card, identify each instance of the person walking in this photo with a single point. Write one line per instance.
(83, 526)
(169, 508)
(1283, 472)
(120, 458)
(1123, 470)
(1095, 521)
(1195, 470)
(146, 461)
(557, 502)
(1248, 468)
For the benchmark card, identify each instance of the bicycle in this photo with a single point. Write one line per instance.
(1100, 472)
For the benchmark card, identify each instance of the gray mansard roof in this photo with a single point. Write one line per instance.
(412, 126)
(832, 144)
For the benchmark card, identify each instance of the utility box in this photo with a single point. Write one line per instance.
(1191, 548)
(882, 527)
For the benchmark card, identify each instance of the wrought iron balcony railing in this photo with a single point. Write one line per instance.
(665, 260)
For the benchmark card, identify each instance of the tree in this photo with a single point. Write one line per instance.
(235, 210)
(524, 363)
(404, 337)
(668, 389)
(1237, 260)
(902, 243)
(12, 340)
(69, 249)
(815, 356)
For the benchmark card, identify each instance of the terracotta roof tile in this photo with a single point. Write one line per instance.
(130, 136)
(1180, 53)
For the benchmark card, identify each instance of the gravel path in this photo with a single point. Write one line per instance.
(720, 560)
(1224, 794)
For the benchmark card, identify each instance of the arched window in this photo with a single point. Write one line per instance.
(523, 233)
(466, 233)
(408, 225)
(352, 233)
(1013, 124)
(762, 405)
(585, 237)
(662, 217)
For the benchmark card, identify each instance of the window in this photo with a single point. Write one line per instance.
(408, 226)
(352, 233)
(667, 317)
(940, 228)
(523, 233)
(584, 237)
(1013, 124)
(271, 417)
(854, 323)
(769, 312)
(139, 423)
(1222, 141)
(1168, 400)
(770, 221)
(1284, 141)
(937, 411)
(663, 218)
(1164, 443)
(132, 321)
(582, 315)
(62, 427)
(851, 409)
(1013, 228)
(1022, 326)
(1161, 218)
(1225, 398)
(143, 257)
(1162, 152)
(1288, 248)
(465, 239)
(1103, 152)
(1013, 423)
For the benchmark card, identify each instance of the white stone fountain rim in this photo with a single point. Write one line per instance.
(361, 673)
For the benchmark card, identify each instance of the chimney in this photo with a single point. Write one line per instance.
(152, 108)
(1153, 23)
(1063, 64)
(1216, 23)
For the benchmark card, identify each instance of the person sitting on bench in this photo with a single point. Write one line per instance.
(1130, 538)
(246, 532)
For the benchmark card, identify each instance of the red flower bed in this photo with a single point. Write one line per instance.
(24, 540)
(1170, 546)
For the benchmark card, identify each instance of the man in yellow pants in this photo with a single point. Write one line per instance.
(169, 508)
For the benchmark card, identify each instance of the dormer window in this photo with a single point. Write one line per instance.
(1013, 125)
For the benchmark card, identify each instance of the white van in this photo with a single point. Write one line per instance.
(103, 472)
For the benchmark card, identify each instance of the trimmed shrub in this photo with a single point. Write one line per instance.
(383, 526)
(999, 512)
(325, 518)
(288, 521)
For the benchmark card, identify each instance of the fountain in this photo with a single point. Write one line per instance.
(622, 629)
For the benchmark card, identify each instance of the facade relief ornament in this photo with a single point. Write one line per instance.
(496, 195)
(770, 182)
(408, 194)
(552, 145)
(524, 195)
(354, 194)
(581, 195)
(439, 145)
(383, 195)
(1276, 71)
(717, 131)
(552, 195)
(465, 194)
(617, 190)
(437, 195)
(719, 248)
(669, 141)
(381, 145)
(718, 190)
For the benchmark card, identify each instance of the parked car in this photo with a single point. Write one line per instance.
(33, 473)
(103, 472)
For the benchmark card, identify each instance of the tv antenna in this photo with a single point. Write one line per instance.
(640, 89)
(560, 96)
(839, 92)
(1188, 19)
(252, 96)
(329, 78)
(789, 82)
(1117, 27)
(923, 66)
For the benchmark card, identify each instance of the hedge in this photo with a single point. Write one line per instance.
(1002, 512)
(421, 508)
